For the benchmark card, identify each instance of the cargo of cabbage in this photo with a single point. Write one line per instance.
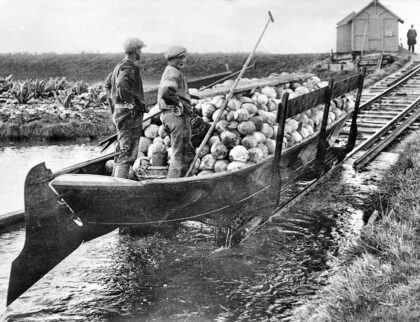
(245, 133)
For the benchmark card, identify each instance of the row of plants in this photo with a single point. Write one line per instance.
(56, 89)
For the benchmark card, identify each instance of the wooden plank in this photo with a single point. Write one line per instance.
(345, 86)
(243, 87)
(12, 218)
(302, 103)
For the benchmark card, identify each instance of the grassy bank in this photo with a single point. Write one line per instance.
(378, 278)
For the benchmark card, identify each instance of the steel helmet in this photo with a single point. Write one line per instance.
(131, 44)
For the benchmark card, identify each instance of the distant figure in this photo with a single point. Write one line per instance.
(332, 60)
(411, 38)
(357, 62)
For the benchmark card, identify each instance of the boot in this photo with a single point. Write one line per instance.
(121, 170)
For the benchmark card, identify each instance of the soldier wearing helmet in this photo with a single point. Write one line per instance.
(175, 102)
(125, 87)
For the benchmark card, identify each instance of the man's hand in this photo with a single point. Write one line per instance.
(178, 109)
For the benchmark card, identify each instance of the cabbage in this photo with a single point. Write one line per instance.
(263, 148)
(293, 124)
(268, 117)
(241, 115)
(235, 165)
(255, 155)
(296, 137)
(229, 138)
(208, 109)
(230, 116)
(262, 99)
(207, 162)
(238, 153)
(249, 141)
(304, 132)
(206, 120)
(271, 146)
(162, 133)
(221, 126)
(197, 165)
(151, 131)
(144, 144)
(219, 151)
(245, 99)
(270, 92)
(258, 122)
(158, 139)
(260, 137)
(109, 166)
(267, 130)
(214, 139)
(167, 141)
(217, 101)
(301, 91)
(310, 129)
(233, 125)
(216, 115)
(272, 106)
(155, 148)
(234, 104)
(246, 128)
(205, 150)
(250, 107)
(221, 165)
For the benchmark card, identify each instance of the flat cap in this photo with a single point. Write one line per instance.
(131, 44)
(175, 51)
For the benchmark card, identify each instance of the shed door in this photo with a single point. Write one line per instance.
(375, 34)
(359, 26)
(390, 34)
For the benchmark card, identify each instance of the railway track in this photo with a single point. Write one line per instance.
(388, 109)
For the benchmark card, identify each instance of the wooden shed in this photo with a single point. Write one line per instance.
(372, 29)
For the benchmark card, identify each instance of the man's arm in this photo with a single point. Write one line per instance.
(124, 84)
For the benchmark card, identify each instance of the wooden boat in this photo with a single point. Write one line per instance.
(80, 203)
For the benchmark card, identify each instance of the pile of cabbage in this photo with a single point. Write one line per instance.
(246, 131)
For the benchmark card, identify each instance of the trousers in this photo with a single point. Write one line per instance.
(128, 123)
(179, 129)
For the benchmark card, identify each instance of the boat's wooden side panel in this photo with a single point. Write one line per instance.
(153, 201)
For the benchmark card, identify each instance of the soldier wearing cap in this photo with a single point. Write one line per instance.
(125, 87)
(175, 102)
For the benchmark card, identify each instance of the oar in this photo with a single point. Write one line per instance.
(232, 90)
(227, 77)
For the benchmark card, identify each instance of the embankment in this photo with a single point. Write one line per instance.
(378, 277)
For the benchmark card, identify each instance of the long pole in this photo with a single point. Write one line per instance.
(232, 90)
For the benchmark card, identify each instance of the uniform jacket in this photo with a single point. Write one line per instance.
(173, 89)
(125, 86)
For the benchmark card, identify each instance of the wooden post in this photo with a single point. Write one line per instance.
(322, 144)
(281, 121)
(353, 128)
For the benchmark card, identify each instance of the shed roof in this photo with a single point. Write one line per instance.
(351, 16)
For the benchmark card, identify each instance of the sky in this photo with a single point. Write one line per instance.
(74, 26)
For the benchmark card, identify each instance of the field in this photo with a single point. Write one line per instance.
(95, 67)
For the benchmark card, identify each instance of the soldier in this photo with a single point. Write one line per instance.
(174, 101)
(125, 87)
(411, 38)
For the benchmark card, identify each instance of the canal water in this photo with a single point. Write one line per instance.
(183, 277)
